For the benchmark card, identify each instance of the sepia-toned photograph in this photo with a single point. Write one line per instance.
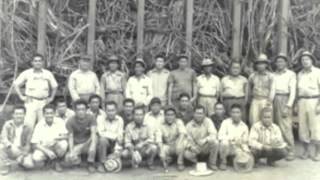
(159, 89)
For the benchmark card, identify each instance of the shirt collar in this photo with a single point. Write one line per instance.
(308, 70)
(282, 71)
(40, 71)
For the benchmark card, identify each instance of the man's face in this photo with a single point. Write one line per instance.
(235, 69)
(139, 69)
(184, 102)
(61, 107)
(207, 69)
(199, 115)
(219, 110)
(81, 110)
(94, 104)
(261, 67)
(170, 117)
(236, 115)
(111, 111)
(183, 63)
(159, 63)
(84, 65)
(37, 62)
(306, 61)
(18, 116)
(113, 66)
(128, 107)
(155, 108)
(138, 116)
(267, 118)
(48, 115)
(281, 63)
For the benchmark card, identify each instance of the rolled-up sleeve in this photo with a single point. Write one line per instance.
(254, 138)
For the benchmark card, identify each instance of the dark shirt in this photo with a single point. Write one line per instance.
(126, 119)
(217, 120)
(186, 115)
(81, 129)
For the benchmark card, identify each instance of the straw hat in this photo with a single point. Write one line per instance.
(113, 165)
(201, 170)
(307, 53)
(207, 62)
(262, 59)
(141, 61)
(243, 162)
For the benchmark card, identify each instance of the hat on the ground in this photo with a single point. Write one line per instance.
(281, 55)
(243, 162)
(113, 164)
(262, 58)
(207, 62)
(141, 61)
(307, 53)
(201, 170)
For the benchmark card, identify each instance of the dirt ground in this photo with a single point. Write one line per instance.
(295, 170)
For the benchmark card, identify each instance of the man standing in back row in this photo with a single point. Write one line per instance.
(40, 89)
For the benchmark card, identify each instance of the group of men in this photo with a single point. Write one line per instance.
(163, 114)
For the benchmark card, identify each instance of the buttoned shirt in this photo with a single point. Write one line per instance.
(38, 84)
(127, 118)
(159, 83)
(154, 121)
(208, 85)
(113, 82)
(309, 82)
(262, 85)
(230, 131)
(217, 120)
(182, 81)
(169, 133)
(234, 86)
(83, 83)
(100, 114)
(261, 135)
(139, 89)
(197, 132)
(47, 135)
(68, 114)
(111, 129)
(9, 135)
(135, 134)
(17, 138)
(286, 83)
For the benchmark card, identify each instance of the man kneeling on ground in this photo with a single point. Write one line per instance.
(49, 139)
(266, 140)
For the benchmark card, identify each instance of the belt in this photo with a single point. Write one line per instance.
(114, 92)
(282, 94)
(309, 97)
(38, 98)
(233, 97)
(207, 96)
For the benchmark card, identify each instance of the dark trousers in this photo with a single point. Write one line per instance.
(274, 154)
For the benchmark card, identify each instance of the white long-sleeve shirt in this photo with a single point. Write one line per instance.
(139, 89)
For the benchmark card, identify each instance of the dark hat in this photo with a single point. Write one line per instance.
(155, 100)
(307, 53)
(262, 59)
(281, 55)
(141, 61)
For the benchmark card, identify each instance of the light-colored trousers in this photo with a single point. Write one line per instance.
(208, 103)
(285, 123)
(309, 121)
(33, 111)
(116, 97)
(59, 148)
(257, 104)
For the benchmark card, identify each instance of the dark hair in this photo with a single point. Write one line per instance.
(170, 108)
(217, 103)
(111, 103)
(19, 107)
(184, 95)
(80, 102)
(200, 107)
(139, 107)
(95, 96)
(128, 100)
(160, 56)
(236, 106)
(37, 55)
(154, 100)
(48, 106)
(61, 100)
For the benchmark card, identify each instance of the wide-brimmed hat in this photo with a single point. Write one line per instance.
(281, 55)
(262, 58)
(113, 165)
(207, 62)
(307, 53)
(201, 170)
(243, 162)
(141, 61)
(113, 58)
